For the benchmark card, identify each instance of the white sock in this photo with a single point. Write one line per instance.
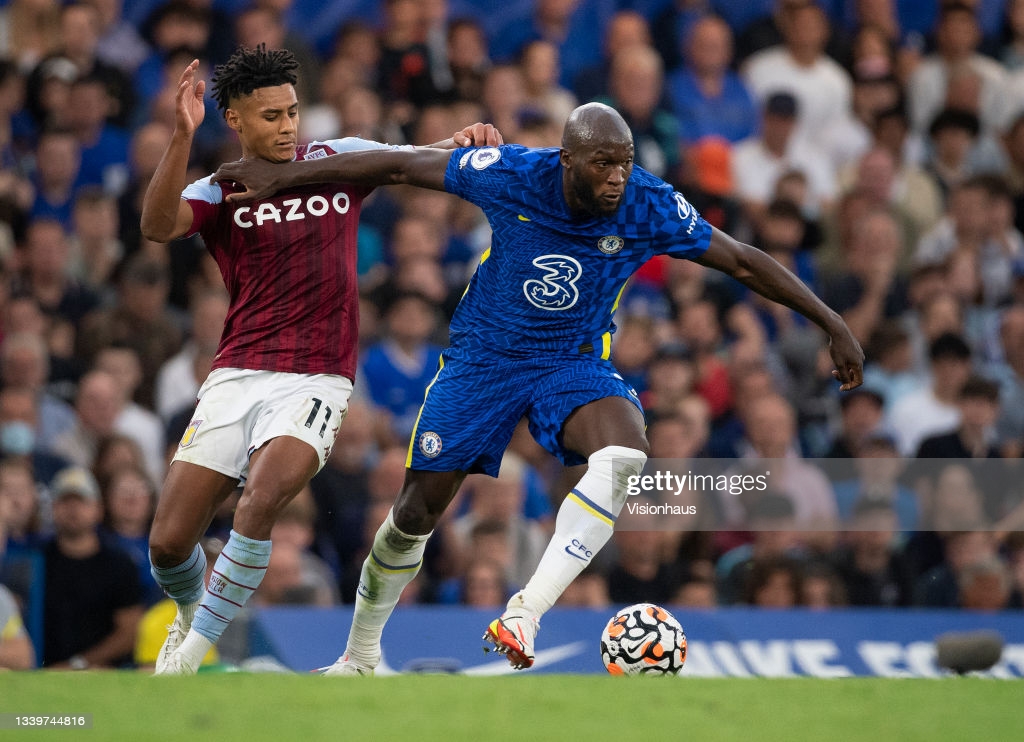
(187, 611)
(194, 648)
(393, 562)
(583, 526)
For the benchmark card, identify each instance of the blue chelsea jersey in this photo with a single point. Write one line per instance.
(551, 281)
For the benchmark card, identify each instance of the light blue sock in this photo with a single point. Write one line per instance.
(236, 574)
(183, 583)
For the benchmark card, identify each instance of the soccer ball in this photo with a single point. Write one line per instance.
(643, 639)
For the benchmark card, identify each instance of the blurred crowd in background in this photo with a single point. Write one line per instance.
(874, 147)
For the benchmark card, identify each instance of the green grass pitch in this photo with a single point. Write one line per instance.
(567, 708)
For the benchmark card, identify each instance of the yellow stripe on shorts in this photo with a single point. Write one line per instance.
(415, 425)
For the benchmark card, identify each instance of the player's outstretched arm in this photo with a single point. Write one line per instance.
(763, 274)
(421, 166)
(165, 215)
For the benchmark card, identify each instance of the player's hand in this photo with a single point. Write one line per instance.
(189, 110)
(478, 135)
(259, 177)
(848, 358)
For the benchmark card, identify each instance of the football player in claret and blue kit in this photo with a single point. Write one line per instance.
(270, 409)
(532, 337)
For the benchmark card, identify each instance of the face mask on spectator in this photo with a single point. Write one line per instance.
(17, 438)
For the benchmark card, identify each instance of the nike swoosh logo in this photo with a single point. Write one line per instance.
(498, 667)
(543, 657)
(382, 669)
(524, 219)
(574, 554)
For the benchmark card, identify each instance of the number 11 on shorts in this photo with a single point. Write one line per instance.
(317, 403)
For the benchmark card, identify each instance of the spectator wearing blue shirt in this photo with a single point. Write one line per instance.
(398, 369)
(58, 161)
(169, 27)
(570, 24)
(626, 28)
(878, 467)
(104, 147)
(672, 24)
(707, 97)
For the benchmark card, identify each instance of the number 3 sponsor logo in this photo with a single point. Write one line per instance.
(556, 289)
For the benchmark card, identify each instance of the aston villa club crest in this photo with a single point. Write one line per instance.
(190, 433)
(610, 244)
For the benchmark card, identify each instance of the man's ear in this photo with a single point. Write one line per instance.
(564, 158)
(233, 119)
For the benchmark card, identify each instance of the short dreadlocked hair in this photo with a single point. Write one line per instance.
(249, 69)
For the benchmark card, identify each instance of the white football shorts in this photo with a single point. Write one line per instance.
(241, 409)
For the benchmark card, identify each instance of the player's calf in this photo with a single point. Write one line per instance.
(393, 562)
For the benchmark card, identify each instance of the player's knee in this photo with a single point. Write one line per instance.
(394, 539)
(168, 550)
(412, 516)
(424, 497)
(619, 460)
(616, 465)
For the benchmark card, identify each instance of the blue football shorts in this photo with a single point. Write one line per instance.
(473, 406)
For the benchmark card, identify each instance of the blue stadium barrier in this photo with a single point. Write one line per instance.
(23, 571)
(725, 642)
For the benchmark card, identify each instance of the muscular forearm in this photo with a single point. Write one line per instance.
(381, 169)
(763, 274)
(163, 196)
(420, 166)
(372, 168)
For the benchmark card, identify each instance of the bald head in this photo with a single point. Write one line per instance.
(597, 158)
(595, 125)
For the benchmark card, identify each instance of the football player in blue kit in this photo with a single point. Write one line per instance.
(532, 337)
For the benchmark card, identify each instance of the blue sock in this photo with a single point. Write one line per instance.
(237, 573)
(183, 583)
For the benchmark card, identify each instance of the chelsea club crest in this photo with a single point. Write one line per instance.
(430, 444)
(610, 244)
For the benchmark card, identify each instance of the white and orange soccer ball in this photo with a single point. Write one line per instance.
(643, 639)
